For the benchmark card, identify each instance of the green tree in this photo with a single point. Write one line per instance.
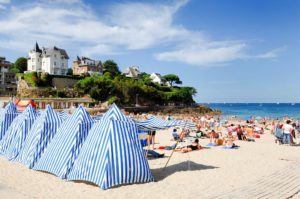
(111, 67)
(172, 78)
(20, 65)
(70, 71)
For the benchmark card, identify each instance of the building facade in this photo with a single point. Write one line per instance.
(8, 85)
(85, 65)
(51, 60)
(133, 72)
(157, 78)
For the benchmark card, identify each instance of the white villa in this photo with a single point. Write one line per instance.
(157, 78)
(50, 60)
(133, 72)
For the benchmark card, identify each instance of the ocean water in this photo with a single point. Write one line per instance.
(244, 110)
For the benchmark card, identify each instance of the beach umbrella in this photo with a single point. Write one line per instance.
(7, 116)
(112, 154)
(40, 135)
(12, 142)
(64, 148)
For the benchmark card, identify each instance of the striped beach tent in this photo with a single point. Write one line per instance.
(64, 115)
(65, 146)
(156, 123)
(97, 118)
(152, 123)
(6, 118)
(187, 124)
(40, 135)
(16, 134)
(112, 154)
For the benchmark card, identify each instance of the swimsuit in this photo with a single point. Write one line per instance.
(192, 147)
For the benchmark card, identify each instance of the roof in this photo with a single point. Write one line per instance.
(36, 48)
(159, 76)
(49, 51)
(97, 63)
(132, 71)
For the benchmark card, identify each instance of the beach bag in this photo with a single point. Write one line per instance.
(220, 142)
(257, 136)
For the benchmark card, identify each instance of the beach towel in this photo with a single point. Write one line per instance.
(231, 147)
(211, 144)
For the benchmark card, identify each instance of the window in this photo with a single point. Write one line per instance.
(32, 59)
(55, 63)
(62, 64)
(55, 55)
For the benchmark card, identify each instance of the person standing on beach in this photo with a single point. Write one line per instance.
(287, 130)
(151, 138)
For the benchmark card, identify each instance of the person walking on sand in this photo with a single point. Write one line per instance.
(287, 130)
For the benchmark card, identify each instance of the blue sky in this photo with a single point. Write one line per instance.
(229, 50)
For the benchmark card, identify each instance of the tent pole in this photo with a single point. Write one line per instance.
(174, 149)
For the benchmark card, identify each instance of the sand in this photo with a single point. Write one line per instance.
(197, 174)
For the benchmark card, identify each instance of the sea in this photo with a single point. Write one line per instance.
(247, 110)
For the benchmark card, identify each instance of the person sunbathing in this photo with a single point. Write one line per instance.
(213, 136)
(229, 139)
(194, 146)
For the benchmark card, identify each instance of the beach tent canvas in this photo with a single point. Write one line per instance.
(152, 123)
(7, 115)
(156, 123)
(64, 115)
(16, 134)
(112, 154)
(40, 135)
(64, 148)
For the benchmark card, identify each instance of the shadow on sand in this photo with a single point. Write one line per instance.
(162, 173)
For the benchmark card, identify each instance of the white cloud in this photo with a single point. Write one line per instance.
(4, 1)
(123, 27)
(206, 53)
(272, 53)
(127, 26)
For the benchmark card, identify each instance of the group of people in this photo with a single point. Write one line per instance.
(221, 133)
(286, 133)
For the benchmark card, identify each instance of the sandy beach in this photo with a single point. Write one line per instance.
(203, 174)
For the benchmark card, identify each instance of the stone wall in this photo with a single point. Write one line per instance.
(62, 84)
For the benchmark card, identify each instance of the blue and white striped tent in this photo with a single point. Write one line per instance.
(40, 135)
(155, 123)
(64, 115)
(64, 148)
(112, 154)
(97, 118)
(152, 123)
(187, 124)
(6, 118)
(16, 134)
